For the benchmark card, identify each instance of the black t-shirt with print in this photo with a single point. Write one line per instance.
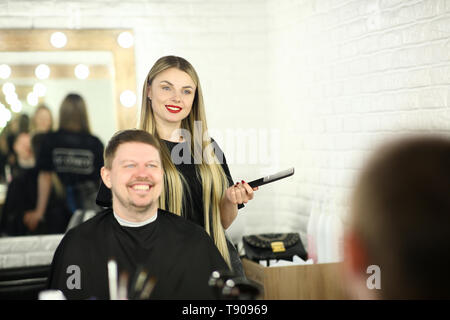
(76, 157)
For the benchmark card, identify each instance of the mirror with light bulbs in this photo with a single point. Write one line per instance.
(42, 66)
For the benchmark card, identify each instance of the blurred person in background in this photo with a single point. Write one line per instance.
(41, 123)
(22, 150)
(42, 120)
(22, 196)
(397, 245)
(75, 155)
(18, 125)
(3, 153)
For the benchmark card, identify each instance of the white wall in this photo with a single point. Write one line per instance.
(345, 76)
(327, 79)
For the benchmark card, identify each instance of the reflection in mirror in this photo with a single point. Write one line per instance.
(40, 67)
(86, 73)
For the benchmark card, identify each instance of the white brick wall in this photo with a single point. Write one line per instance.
(348, 75)
(28, 251)
(330, 79)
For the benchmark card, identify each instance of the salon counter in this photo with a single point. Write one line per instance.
(298, 282)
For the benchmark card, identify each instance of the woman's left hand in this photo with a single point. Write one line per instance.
(240, 193)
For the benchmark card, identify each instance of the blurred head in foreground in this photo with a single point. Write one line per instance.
(397, 245)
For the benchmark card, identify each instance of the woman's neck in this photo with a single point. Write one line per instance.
(167, 132)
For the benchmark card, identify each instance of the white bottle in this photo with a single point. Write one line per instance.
(329, 237)
(334, 231)
(312, 231)
(321, 236)
(338, 230)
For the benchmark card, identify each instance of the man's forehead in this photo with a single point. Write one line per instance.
(137, 150)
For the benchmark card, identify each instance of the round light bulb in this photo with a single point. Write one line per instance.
(42, 71)
(7, 114)
(11, 98)
(8, 88)
(82, 71)
(16, 106)
(39, 89)
(32, 99)
(58, 39)
(125, 39)
(128, 98)
(5, 71)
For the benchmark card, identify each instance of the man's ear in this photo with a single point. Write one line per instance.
(106, 176)
(356, 262)
(355, 254)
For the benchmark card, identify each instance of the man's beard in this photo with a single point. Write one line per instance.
(131, 206)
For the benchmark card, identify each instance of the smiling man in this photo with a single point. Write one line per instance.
(177, 254)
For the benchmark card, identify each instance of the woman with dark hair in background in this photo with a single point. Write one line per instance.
(75, 155)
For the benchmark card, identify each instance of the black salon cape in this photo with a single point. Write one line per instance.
(192, 200)
(177, 252)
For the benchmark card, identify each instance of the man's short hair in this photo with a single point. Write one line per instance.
(124, 136)
(401, 213)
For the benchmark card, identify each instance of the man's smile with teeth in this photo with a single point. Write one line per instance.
(140, 187)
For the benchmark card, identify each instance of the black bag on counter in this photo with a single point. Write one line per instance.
(269, 246)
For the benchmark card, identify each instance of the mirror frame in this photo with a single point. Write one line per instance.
(85, 40)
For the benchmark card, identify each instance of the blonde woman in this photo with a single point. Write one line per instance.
(197, 180)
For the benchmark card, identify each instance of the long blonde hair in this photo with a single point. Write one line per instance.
(213, 179)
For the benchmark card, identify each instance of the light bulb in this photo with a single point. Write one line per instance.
(58, 39)
(8, 88)
(5, 71)
(16, 106)
(11, 98)
(32, 99)
(6, 114)
(81, 71)
(42, 71)
(128, 98)
(125, 39)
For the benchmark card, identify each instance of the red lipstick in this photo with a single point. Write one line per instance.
(173, 109)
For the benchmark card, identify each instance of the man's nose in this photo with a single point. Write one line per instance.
(176, 96)
(142, 171)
